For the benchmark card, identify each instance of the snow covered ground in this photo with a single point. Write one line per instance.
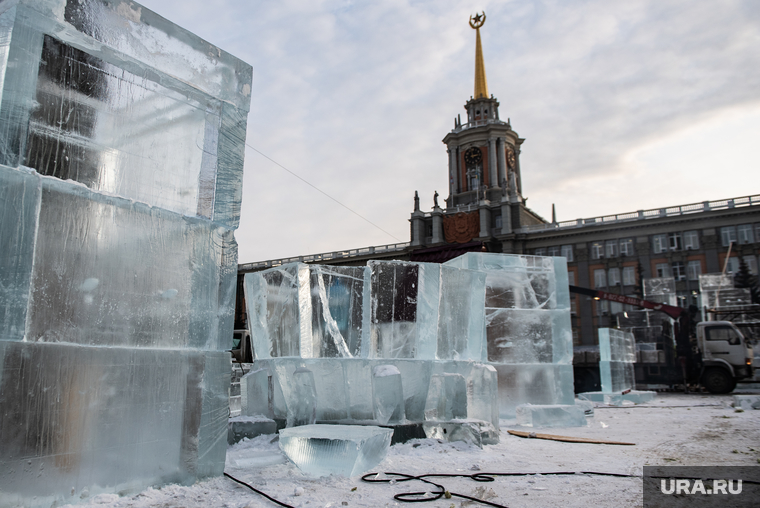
(674, 429)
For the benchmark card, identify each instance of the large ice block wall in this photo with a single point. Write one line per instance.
(617, 354)
(121, 160)
(528, 330)
(347, 324)
(512, 312)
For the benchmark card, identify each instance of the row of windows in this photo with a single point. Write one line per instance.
(612, 248)
(612, 277)
(565, 251)
(688, 240)
(742, 234)
(691, 270)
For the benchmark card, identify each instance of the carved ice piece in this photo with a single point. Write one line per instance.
(560, 415)
(447, 397)
(617, 354)
(347, 450)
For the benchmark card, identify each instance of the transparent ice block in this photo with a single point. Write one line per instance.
(115, 97)
(387, 394)
(347, 450)
(447, 397)
(617, 351)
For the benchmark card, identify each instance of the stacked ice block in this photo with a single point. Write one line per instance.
(617, 352)
(445, 333)
(370, 339)
(121, 158)
(528, 331)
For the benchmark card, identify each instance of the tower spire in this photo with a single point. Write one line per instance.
(481, 85)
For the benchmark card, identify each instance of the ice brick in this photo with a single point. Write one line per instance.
(543, 384)
(306, 311)
(560, 415)
(301, 398)
(617, 355)
(483, 394)
(19, 208)
(150, 109)
(405, 299)
(241, 427)
(387, 394)
(447, 397)
(461, 319)
(134, 275)
(105, 419)
(257, 393)
(347, 450)
(469, 432)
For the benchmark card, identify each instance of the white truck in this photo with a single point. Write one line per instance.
(726, 355)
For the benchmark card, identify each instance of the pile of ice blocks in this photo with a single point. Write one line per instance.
(121, 159)
(397, 342)
(617, 351)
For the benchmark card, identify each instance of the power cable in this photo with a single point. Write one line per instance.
(321, 191)
(257, 491)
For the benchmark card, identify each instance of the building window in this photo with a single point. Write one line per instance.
(597, 250)
(602, 307)
(694, 269)
(611, 248)
(674, 241)
(691, 240)
(751, 262)
(540, 252)
(662, 269)
(600, 279)
(733, 266)
(659, 243)
(573, 307)
(616, 308)
(553, 251)
(614, 276)
(626, 247)
(744, 234)
(497, 221)
(567, 252)
(629, 276)
(728, 235)
(679, 271)
(571, 278)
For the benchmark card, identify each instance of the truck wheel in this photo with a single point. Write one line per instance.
(718, 381)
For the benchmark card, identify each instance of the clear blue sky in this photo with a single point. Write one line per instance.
(624, 105)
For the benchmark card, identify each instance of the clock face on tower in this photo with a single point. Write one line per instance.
(472, 156)
(510, 157)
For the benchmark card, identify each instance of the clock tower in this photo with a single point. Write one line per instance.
(485, 207)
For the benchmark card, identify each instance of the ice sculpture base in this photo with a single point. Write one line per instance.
(555, 415)
(249, 427)
(586, 405)
(347, 450)
(618, 398)
(475, 432)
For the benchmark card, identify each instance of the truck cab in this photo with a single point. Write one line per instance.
(726, 355)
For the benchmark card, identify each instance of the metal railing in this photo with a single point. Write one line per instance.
(327, 256)
(654, 213)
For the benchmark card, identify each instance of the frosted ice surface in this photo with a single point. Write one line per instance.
(660, 289)
(447, 397)
(173, 302)
(100, 428)
(257, 393)
(462, 430)
(543, 384)
(530, 415)
(19, 199)
(387, 394)
(302, 399)
(347, 450)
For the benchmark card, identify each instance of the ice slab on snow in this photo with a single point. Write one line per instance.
(472, 432)
(117, 98)
(107, 419)
(542, 384)
(447, 397)
(619, 398)
(747, 402)
(347, 450)
(559, 415)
